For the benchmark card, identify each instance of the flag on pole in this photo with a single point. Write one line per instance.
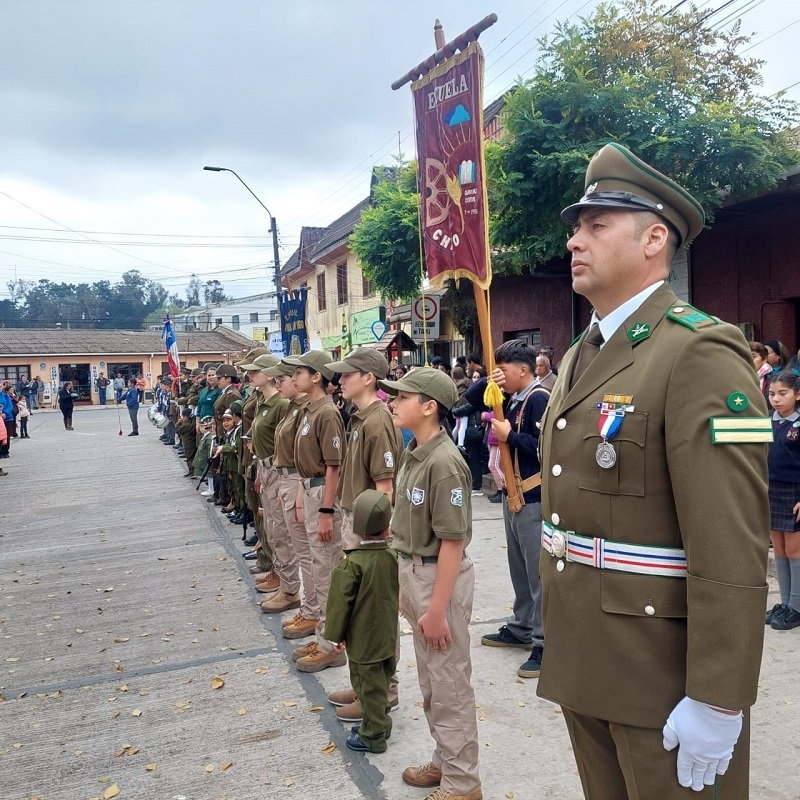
(448, 102)
(168, 337)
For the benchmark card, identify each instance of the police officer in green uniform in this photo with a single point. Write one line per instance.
(655, 516)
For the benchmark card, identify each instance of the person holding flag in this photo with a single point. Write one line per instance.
(171, 343)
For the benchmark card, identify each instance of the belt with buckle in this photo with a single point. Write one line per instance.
(607, 554)
(419, 559)
(310, 483)
(286, 470)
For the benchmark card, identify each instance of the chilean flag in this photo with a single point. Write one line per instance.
(168, 337)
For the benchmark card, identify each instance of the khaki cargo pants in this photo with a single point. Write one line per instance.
(447, 695)
(287, 494)
(324, 555)
(265, 559)
(285, 561)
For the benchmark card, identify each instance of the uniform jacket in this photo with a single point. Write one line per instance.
(222, 404)
(606, 656)
(363, 603)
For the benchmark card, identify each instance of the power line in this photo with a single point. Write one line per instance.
(767, 38)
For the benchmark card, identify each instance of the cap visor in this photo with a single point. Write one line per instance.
(395, 387)
(278, 371)
(294, 361)
(247, 367)
(341, 367)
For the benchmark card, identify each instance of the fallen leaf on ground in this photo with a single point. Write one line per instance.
(137, 712)
(241, 712)
(209, 767)
(289, 782)
(226, 765)
(149, 767)
(122, 639)
(217, 682)
(289, 703)
(316, 708)
(112, 791)
(116, 714)
(329, 748)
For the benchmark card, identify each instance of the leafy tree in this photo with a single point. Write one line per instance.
(99, 305)
(214, 292)
(679, 94)
(386, 240)
(193, 291)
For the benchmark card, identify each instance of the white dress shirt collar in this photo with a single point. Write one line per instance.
(610, 323)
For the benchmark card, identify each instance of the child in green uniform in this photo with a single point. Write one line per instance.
(362, 612)
(432, 526)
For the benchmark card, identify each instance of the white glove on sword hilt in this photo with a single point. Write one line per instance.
(705, 739)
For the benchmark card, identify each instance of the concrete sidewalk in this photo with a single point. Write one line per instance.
(124, 596)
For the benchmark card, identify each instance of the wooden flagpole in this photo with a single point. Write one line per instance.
(443, 52)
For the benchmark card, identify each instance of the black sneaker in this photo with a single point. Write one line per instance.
(533, 666)
(497, 497)
(786, 621)
(775, 612)
(504, 638)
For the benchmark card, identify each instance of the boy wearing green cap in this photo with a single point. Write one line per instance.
(432, 526)
(362, 613)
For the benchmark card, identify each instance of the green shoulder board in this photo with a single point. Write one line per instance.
(691, 317)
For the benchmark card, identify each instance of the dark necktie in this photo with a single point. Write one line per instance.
(590, 347)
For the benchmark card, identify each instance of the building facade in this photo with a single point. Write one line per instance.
(79, 356)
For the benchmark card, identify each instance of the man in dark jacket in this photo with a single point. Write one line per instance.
(514, 373)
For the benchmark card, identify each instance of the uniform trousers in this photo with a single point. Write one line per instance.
(371, 683)
(447, 695)
(287, 495)
(236, 483)
(523, 546)
(324, 555)
(265, 559)
(349, 542)
(622, 762)
(285, 561)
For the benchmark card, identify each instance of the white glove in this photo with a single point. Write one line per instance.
(706, 738)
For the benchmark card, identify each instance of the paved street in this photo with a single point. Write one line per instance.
(123, 597)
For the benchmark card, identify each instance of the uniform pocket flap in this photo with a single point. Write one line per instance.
(633, 428)
(642, 595)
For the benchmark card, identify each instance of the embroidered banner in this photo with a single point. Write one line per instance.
(292, 307)
(448, 102)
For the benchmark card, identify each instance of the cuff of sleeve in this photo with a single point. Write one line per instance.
(725, 627)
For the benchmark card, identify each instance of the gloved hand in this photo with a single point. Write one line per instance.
(706, 738)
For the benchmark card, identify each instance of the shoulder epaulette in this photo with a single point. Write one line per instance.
(693, 318)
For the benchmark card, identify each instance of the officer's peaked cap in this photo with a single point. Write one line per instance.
(616, 178)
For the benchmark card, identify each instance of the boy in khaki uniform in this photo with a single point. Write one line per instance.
(362, 612)
(373, 452)
(432, 526)
(318, 451)
(303, 623)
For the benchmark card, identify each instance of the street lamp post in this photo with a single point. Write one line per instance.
(273, 229)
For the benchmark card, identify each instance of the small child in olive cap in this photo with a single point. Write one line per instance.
(362, 613)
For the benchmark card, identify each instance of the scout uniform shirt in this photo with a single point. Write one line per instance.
(285, 433)
(373, 452)
(363, 603)
(268, 415)
(687, 471)
(222, 404)
(320, 439)
(432, 498)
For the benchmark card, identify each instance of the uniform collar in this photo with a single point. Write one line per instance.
(317, 404)
(370, 409)
(422, 452)
(519, 396)
(380, 544)
(776, 417)
(611, 322)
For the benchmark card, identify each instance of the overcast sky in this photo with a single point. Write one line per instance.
(110, 109)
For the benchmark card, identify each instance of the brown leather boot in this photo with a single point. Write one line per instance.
(280, 602)
(425, 776)
(299, 627)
